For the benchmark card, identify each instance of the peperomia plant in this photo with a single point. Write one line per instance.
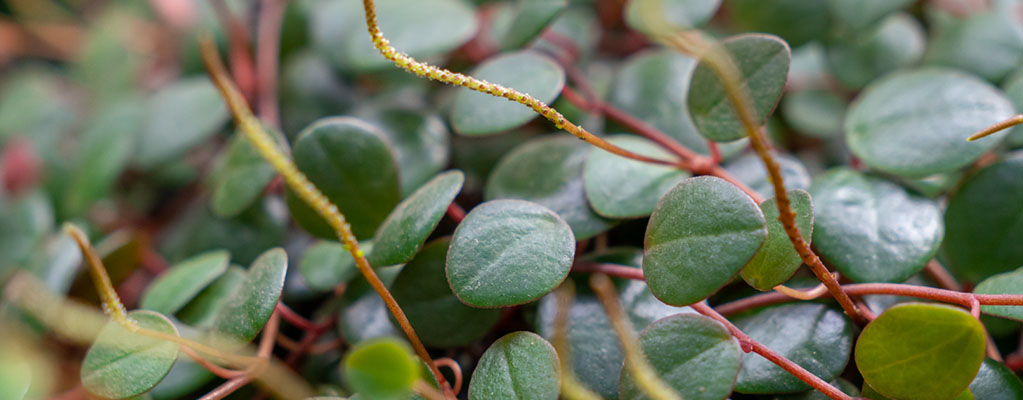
(726, 146)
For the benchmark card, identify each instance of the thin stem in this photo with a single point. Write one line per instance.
(571, 388)
(268, 46)
(455, 369)
(456, 212)
(1009, 123)
(242, 67)
(615, 270)
(301, 322)
(217, 370)
(309, 193)
(810, 294)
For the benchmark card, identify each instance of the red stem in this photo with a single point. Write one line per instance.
(456, 212)
(301, 322)
(268, 46)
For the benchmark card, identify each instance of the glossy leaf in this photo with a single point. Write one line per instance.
(241, 179)
(181, 115)
(859, 59)
(815, 112)
(995, 381)
(327, 264)
(180, 284)
(680, 14)
(531, 18)
(914, 123)
(202, 311)
(508, 252)
(699, 236)
(617, 187)
(433, 310)
(694, 354)
(519, 366)
(749, 169)
(549, 172)
(763, 62)
(245, 313)
(814, 336)
(123, 364)
(348, 160)
(402, 234)
(777, 260)
(872, 230)
(382, 369)
(475, 113)
(993, 36)
(1004, 283)
(985, 222)
(921, 351)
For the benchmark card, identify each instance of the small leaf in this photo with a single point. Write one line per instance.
(403, 232)
(872, 230)
(123, 364)
(993, 36)
(914, 123)
(859, 59)
(173, 289)
(475, 113)
(777, 260)
(327, 264)
(749, 169)
(433, 310)
(508, 252)
(680, 14)
(618, 187)
(995, 381)
(549, 172)
(697, 356)
(921, 351)
(202, 311)
(348, 160)
(811, 335)
(763, 62)
(241, 179)
(245, 313)
(531, 18)
(1005, 283)
(382, 369)
(698, 238)
(181, 115)
(519, 366)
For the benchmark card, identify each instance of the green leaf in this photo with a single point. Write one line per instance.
(519, 366)
(549, 172)
(763, 62)
(327, 264)
(994, 37)
(35, 103)
(382, 369)
(995, 381)
(202, 311)
(777, 260)
(180, 284)
(26, 220)
(433, 310)
(815, 112)
(185, 377)
(985, 222)
(749, 169)
(531, 18)
(403, 232)
(796, 21)
(105, 149)
(921, 351)
(181, 115)
(508, 252)
(812, 335)
(680, 14)
(1013, 89)
(701, 234)
(861, 14)
(915, 123)
(123, 364)
(1005, 283)
(872, 230)
(858, 59)
(694, 354)
(349, 161)
(245, 313)
(475, 113)
(420, 142)
(241, 179)
(618, 187)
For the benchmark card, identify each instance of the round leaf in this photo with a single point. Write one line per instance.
(531, 18)
(326, 265)
(433, 310)
(915, 123)
(181, 115)
(348, 160)
(1006, 283)
(549, 172)
(872, 230)
(508, 252)
(407, 227)
(985, 222)
(995, 37)
(475, 113)
(811, 335)
(995, 381)
(382, 369)
(859, 59)
(617, 187)
(815, 112)
(177, 286)
(203, 310)
(682, 14)
(763, 62)
(421, 144)
(777, 260)
(518, 366)
(699, 236)
(694, 354)
(123, 364)
(921, 351)
(245, 313)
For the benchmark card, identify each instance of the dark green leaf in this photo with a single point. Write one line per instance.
(694, 354)
(241, 179)
(382, 369)
(680, 14)
(872, 230)
(531, 18)
(859, 59)
(433, 310)
(106, 147)
(245, 313)
(122, 364)
(617, 187)
(861, 14)
(349, 161)
(508, 252)
(178, 285)
(777, 260)
(327, 264)
(701, 234)
(1005, 283)
(921, 351)
(549, 172)
(763, 62)
(475, 113)
(796, 21)
(812, 335)
(994, 37)
(1013, 88)
(181, 115)
(403, 232)
(203, 310)
(420, 142)
(749, 169)
(518, 366)
(815, 112)
(995, 381)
